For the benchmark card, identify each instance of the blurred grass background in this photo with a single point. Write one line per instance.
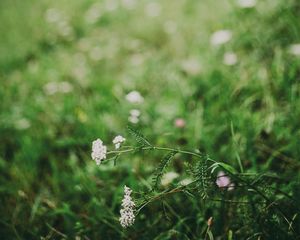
(65, 69)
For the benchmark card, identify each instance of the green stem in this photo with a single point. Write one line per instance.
(159, 149)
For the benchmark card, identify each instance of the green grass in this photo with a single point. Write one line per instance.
(49, 186)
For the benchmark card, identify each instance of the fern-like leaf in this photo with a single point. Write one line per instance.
(161, 168)
(141, 140)
(202, 176)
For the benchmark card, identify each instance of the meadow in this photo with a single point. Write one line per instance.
(206, 94)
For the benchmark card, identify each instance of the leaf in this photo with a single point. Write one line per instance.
(225, 166)
(202, 177)
(162, 166)
(141, 140)
(210, 235)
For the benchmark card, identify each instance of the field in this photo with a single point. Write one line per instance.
(206, 93)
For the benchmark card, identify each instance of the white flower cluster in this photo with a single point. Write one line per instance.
(127, 212)
(230, 58)
(134, 97)
(118, 140)
(220, 37)
(98, 151)
(246, 3)
(134, 116)
(295, 49)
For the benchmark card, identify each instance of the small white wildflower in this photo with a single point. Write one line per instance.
(51, 88)
(134, 97)
(295, 49)
(220, 37)
(246, 3)
(133, 119)
(127, 212)
(118, 140)
(98, 151)
(135, 112)
(191, 66)
(230, 58)
(22, 124)
(167, 178)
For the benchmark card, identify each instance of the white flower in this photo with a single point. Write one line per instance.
(98, 151)
(191, 66)
(167, 178)
(127, 212)
(230, 58)
(220, 37)
(295, 49)
(246, 3)
(134, 97)
(135, 112)
(133, 119)
(134, 116)
(51, 88)
(118, 140)
(22, 124)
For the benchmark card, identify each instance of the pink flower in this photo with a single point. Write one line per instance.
(223, 181)
(179, 123)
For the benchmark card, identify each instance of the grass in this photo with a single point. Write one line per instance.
(246, 115)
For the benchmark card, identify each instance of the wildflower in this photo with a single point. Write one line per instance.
(135, 112)
(223, 181)
(118, 140)
(127, 212)
(220, 37)
(246, 3)
(22, 124)
(210, 222)
(51, 88)
(191, 66)
(134, 116)
(295, 49)
(98, 151)
(230, 58)
(179, 123)
(134, 97)
(167, 178)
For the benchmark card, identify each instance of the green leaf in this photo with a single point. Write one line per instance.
(161, 168)
(225, 166)
(141, 140)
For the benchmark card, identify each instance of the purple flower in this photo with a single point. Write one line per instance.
(223, 181)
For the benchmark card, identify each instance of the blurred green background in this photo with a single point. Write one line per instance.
(66, 68)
